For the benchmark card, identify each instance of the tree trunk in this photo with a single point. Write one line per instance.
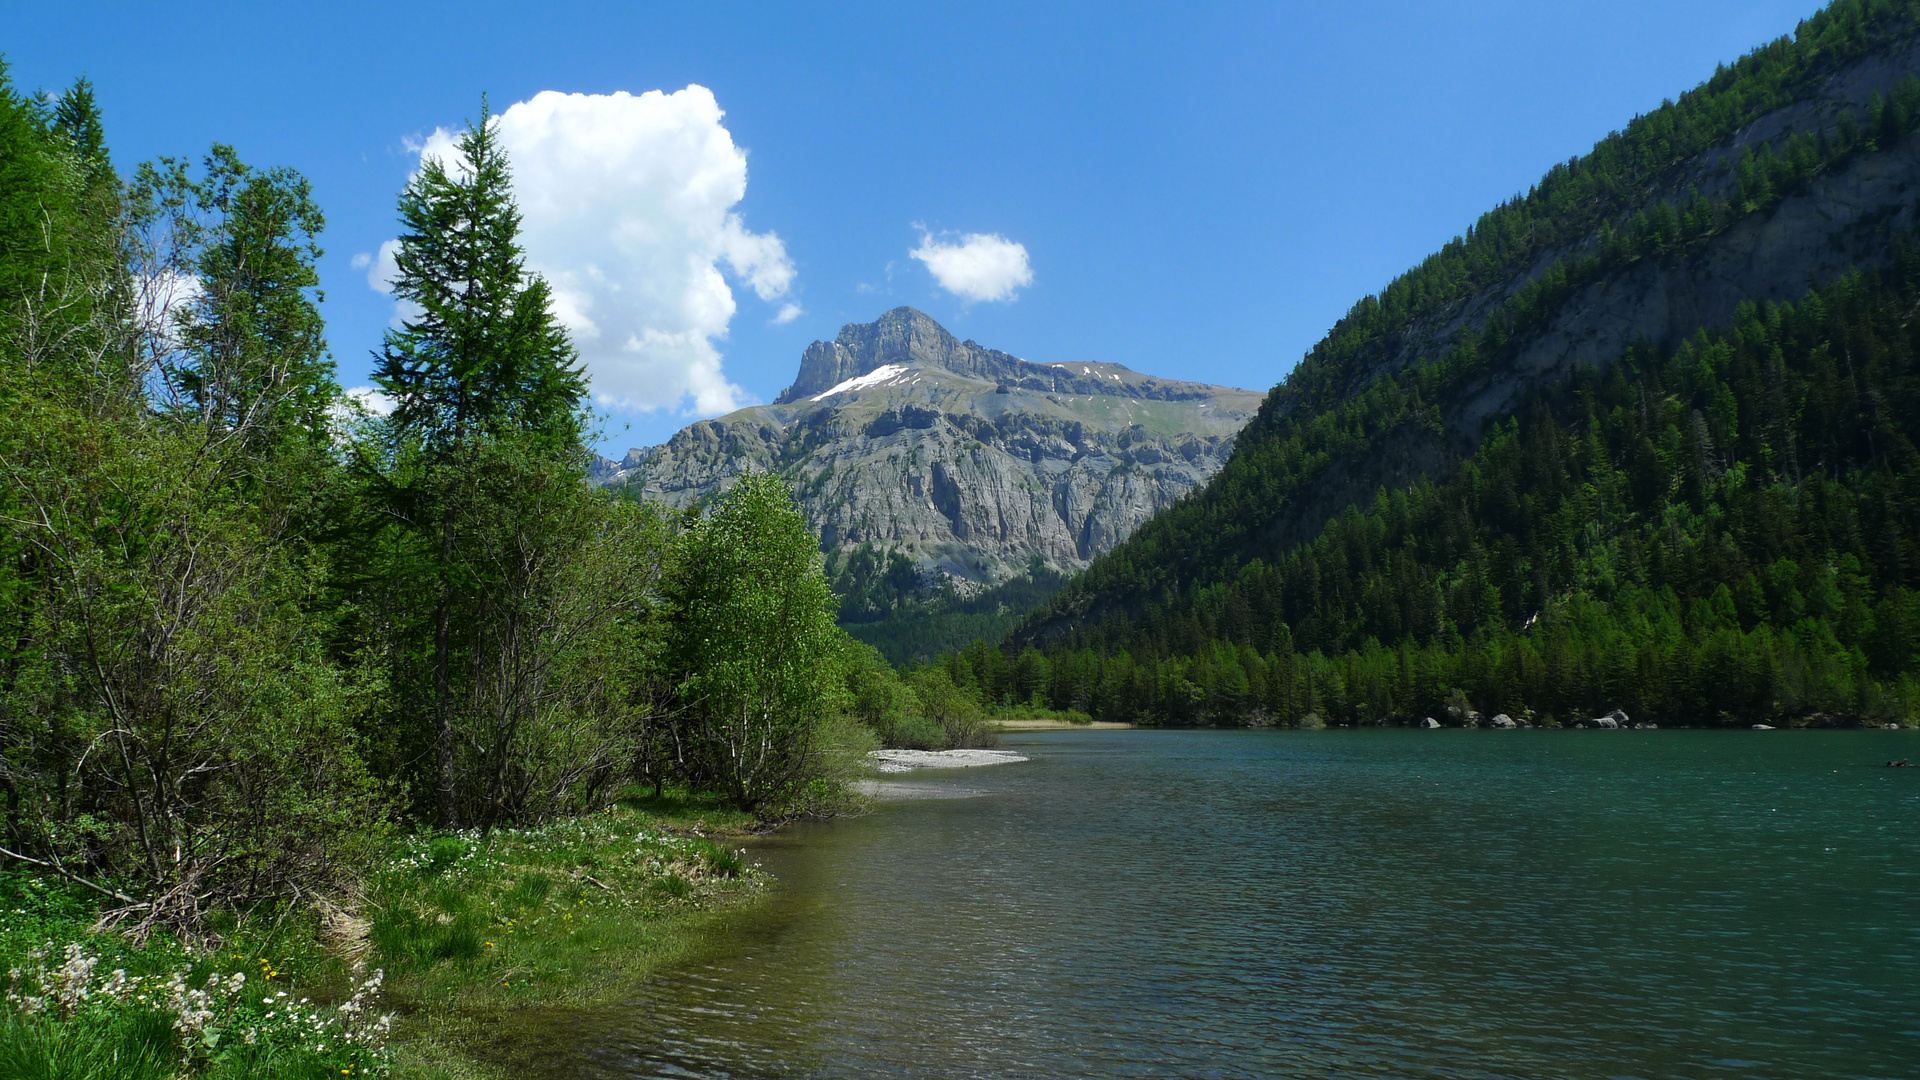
(446, 807)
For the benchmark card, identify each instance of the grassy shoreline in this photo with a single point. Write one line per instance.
(508, 931)
(484, 941)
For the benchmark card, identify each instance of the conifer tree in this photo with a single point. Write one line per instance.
(253, 360)
(481, 359)
(482, 355)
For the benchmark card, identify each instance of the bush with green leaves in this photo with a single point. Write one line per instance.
(172, 731)
(752, 653)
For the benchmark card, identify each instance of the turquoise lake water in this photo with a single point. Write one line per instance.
(1529, 904)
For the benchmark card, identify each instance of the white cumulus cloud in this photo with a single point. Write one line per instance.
(979, 267)
(162, 296)
(355, 408)
(369, 398)
(381, 268)
(627, 204)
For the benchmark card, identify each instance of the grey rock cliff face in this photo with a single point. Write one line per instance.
(966, 459)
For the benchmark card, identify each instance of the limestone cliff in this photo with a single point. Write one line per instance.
(968, 460)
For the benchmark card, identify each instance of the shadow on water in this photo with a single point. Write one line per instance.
(1390, 903)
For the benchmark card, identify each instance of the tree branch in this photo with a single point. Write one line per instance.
(73, 877)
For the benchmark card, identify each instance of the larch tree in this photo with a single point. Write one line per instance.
(480, 360)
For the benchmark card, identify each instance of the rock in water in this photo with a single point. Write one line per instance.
(1502, 720)
(964, 459)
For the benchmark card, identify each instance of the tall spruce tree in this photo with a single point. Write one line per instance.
(481, 360)
(483, 355)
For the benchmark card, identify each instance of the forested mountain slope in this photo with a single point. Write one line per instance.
(1581, 447)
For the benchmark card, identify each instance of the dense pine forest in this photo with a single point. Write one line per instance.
(1717, 532)
(1724, 533)
(887, 603)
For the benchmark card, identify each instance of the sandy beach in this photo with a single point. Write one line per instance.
(1056, 725)
(899, 761)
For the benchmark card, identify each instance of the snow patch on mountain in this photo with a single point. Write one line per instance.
(879, 376)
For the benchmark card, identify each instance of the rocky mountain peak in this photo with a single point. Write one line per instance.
(967, 460)
(904, 336)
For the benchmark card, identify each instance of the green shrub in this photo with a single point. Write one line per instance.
(442, 853)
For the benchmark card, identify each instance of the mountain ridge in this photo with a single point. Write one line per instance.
(906, 335)
(967, 461)
(1749, 188)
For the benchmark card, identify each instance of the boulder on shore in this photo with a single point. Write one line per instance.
(1428, 722)
(1502, 720)
(1603, 722)
(1618, 716)
(1763, 727)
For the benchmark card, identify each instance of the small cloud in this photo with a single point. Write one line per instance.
(788, 313)
(370, 399)
(159, 299)
(169, 291)
(355, 410)
(382, 268)
(886, 272)
(980, 267)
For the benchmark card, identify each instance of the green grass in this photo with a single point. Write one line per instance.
(488, 939)
(139, 1044)
(485, 941)
(129, 1032)
(128, 1046)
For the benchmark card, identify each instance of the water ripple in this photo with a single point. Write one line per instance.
(1342, 904)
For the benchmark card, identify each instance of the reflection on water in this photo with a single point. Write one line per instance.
(1379, 903)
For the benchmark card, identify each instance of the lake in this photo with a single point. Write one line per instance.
(1376, 903)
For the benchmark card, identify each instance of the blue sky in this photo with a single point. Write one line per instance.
(1200, 189)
